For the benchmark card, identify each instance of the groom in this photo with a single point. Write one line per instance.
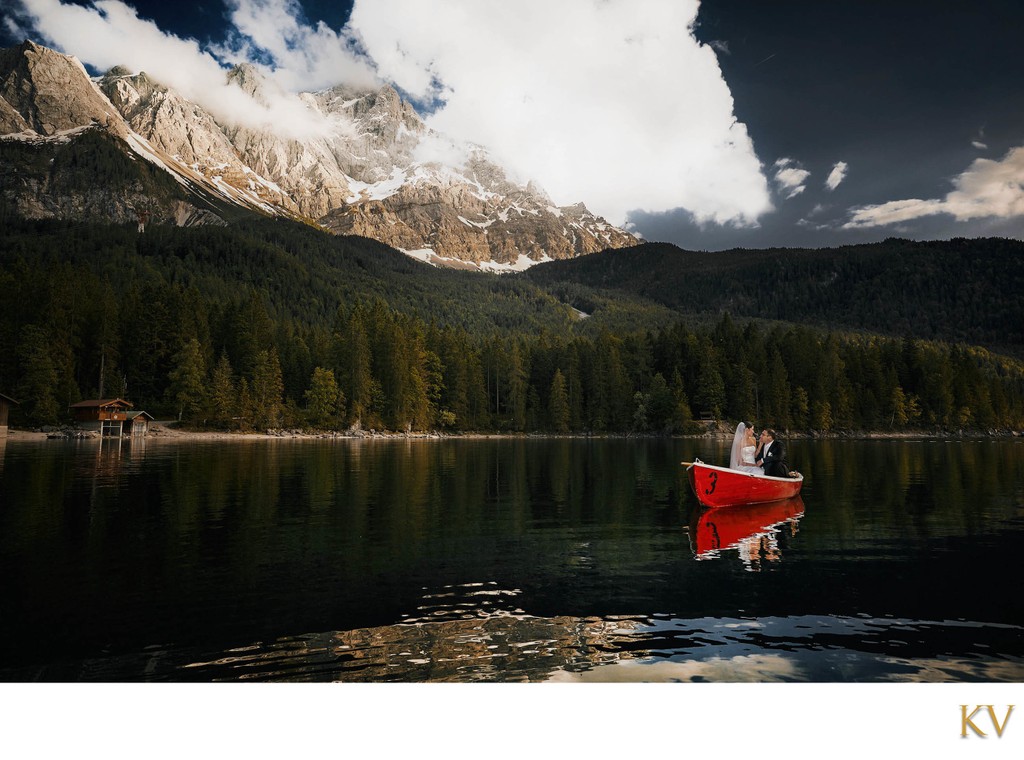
(773, 455)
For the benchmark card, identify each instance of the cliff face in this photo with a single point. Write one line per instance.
(48, 93)
(66, 151)
(454, 219)
(366, 170)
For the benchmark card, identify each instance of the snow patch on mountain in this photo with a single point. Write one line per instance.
(370, 168)
(429, 256)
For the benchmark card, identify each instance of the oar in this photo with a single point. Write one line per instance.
(687, 464)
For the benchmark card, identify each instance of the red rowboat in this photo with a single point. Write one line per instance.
(715, 529)
(724, 487)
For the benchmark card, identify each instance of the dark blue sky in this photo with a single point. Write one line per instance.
(207, 20)
(916, 98)
(897, 90)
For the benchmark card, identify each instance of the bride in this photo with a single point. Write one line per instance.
(744, 450)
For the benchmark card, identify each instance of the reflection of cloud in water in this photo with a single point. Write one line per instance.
(756, 668)
(476, 633)
(952, 669)
(495, 646)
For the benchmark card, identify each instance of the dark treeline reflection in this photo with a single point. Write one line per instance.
(108, 549)
(267, 537)
(913, 489)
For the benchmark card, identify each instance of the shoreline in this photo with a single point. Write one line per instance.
(162, 432)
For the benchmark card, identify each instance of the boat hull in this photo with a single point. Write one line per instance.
(723, 487)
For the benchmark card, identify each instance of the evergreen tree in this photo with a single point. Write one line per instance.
(842, 388)
(476, 392)
(325, 401)
(187, 388)
(416, 409)
(360, 375)
(683, 415)
(612, 390)
(821, 416)
(151, 336)
(39, 378)
(517, 387)
(776, 393)
(661, 406)
(435, 390)
(800, 408)
(296, 361)
(898, 406)
(710, 392)
(455, 360)
(250, 332)
(267, 388)
(223, 398)
(574, 386)
(558, 404)
(248, 414)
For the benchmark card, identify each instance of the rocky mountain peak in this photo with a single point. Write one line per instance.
(129, 92)
(118, 71)
(250, 80)
(50, 92)
(378, 171)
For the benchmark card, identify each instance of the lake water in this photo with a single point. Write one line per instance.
(505, 560)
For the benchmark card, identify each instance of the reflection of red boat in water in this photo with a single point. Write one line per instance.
(732, 527)
(724, 487)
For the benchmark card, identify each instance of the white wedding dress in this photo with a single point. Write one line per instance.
(742, 457)
(747, 461)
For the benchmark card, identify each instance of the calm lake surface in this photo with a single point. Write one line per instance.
(505, 560)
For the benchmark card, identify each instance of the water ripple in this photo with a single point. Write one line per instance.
(500, 645)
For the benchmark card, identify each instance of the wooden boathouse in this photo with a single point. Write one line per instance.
(108, 416)
(137, 423)
(6, 402)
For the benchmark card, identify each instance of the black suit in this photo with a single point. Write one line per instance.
(775, 461)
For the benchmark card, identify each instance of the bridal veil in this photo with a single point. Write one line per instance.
(736, 455)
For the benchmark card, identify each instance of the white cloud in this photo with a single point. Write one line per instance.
(979, 145)
(790, 177)
(109, 33)
(15, 28)
(304, 57)
(837, 175)
(612, 102)
(987, 189)
(437, 148)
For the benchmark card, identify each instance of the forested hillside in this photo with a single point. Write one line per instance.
(275, 324)
(969, 291)
(91, 176)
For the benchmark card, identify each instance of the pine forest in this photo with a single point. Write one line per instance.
(274, 325)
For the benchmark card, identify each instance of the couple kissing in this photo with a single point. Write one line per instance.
(763, 455)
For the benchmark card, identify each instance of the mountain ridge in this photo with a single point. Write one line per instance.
(374, 173)
(941, 290)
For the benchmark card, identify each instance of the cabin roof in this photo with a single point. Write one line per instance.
(9, 399)
(140, 413)
(101, 402)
